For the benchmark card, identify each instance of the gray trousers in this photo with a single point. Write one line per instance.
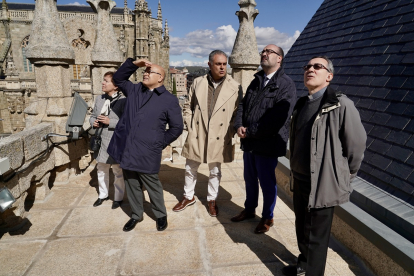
(134, 181)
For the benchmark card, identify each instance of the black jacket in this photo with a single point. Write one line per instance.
(266, 114)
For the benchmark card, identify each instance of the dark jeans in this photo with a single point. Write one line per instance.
(261, 169)
(133, 183)
(313, 228)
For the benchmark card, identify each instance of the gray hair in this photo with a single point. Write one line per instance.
(330, 64)
(216, 52)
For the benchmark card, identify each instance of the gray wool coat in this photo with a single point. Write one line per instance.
(116, 110)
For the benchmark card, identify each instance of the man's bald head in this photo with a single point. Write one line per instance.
(154, 76)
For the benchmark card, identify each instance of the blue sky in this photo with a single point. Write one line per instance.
(199, 26)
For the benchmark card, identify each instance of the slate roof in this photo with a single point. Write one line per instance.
(61, 8)
(371, 44)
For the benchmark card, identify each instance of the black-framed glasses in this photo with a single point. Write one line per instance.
(317, 66)
(268, 52)
(150, 72)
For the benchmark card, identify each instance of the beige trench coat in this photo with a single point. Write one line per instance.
(211, 141)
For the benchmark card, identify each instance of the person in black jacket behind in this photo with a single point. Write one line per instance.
(262, 123)
(141, 135)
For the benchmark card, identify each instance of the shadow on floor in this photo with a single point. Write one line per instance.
(267, 249)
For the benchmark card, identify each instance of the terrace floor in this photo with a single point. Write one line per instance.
(66, 235)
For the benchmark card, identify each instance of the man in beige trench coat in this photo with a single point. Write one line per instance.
(208, 114)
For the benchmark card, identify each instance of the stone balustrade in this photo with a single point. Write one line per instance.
(28, 16)
(33, 162)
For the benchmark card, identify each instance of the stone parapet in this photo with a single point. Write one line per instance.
(32, 162)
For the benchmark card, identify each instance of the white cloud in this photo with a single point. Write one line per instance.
(77, 4)
(200, 43)
(185, 62)
(269, 35)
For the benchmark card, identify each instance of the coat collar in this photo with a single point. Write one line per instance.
(201, 92)
(159, 90)
(274, 80)
(329, 98)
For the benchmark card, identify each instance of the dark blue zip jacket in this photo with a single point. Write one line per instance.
(266, 114)
(141, 135)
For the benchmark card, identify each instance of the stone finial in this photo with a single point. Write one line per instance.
(141, 5)
(159, 15)
(167, 30)
(126, 7)
(245, 54)
(48, 41)
(11, 70)
(106, 50)
(4, 10)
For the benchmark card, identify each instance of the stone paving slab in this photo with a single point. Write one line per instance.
(41, 224)
(80, 256)
(66, 235)
(146, 253)
(16, 258)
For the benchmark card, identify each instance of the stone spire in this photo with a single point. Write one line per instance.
(11, 70)
(4, 10)
(167, 30)
(125, 6)
(106, 50)
(159, 15)
(244, 58)
(48, 41)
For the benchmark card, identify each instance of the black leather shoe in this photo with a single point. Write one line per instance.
(131, 224)
(162, 223)
(99, 201)
(293, 270)
(116, 204)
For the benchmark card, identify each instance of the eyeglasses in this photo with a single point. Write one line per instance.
(150, 72)
(268, 52)
(317, 66)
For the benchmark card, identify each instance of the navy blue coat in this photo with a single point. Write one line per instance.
(266, 113)
(141, 135)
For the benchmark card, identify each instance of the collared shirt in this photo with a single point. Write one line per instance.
(317, 94)
(215, 84)
(266, 78)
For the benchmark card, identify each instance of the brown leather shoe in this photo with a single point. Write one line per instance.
(183, 204)
(212, 208)
(242, 216)
(263, 226)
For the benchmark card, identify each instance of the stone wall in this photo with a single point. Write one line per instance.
(33, 164)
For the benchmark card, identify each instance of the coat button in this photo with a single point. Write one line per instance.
(218, 138)
(314, 153)
(197, 137)
(221, 124)
(197, 122)
(224, 109)
(312, 171)
(313, 138)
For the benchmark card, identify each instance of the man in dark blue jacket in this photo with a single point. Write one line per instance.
(141, 135)
(262, 123)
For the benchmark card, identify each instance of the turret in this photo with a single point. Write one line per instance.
(159, 15)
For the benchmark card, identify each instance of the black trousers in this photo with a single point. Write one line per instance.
(313, 228)
(134, 181)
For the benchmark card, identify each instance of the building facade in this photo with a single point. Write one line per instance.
(180, 78)
(138, 33)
